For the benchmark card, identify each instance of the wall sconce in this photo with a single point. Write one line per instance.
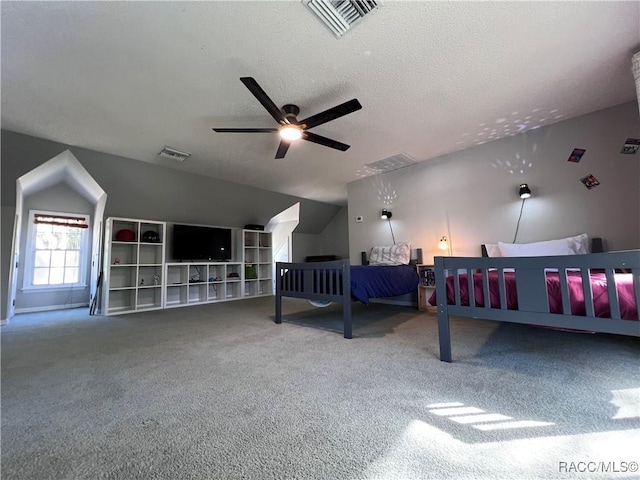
(525, 191)
(386, 215)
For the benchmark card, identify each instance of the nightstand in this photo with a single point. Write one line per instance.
(426, 287)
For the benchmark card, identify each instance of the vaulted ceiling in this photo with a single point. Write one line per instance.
(127, 78)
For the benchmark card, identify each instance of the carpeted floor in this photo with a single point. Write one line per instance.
(221, 392)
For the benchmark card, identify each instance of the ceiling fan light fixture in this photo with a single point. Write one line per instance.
(290, 132)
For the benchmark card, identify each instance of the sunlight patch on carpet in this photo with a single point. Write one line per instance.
(479, 419)
(628, 403)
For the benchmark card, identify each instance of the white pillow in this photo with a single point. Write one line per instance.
(398, 254)
(564, 246)
(493, 250)
(579, 244)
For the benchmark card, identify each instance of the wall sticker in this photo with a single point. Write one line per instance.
(576, 155)
(590, 181)
(631, 146)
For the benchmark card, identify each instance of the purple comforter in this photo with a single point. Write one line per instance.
(624, 283)
(377, 281)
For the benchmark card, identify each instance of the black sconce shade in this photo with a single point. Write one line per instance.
(386, 214)
(525, 191)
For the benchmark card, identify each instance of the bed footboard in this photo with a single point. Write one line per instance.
(319, 281)
(618, 287)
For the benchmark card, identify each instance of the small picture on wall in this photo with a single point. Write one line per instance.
(576, 155)
(590, 181)
(631, 146)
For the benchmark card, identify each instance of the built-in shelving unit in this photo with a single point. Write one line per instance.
(197, 283)
(137, 276)
(133, 273)
(258, 263)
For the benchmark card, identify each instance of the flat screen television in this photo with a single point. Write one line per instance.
(192, 242)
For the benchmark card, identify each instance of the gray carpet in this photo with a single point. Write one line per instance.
(221, 392)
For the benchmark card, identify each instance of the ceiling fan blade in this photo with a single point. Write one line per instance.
(327, 142)
(282, 149)
(263, 98)
(245, 130)
(332, 113)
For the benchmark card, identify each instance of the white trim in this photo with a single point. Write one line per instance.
(51, 307)
(29, 257)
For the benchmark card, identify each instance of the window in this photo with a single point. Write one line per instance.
(56, 250)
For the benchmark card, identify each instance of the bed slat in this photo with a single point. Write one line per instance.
(470, 289)
(485, 288)
(502, 289)
(588, 292)
(531, 288)
(564, 291)
(614, 304)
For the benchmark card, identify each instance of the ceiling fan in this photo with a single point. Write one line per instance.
(291, 128)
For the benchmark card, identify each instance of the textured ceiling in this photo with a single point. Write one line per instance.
(127, 78)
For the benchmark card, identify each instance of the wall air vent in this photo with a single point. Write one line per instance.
(340, 15)
(391, 163)
(174, 154)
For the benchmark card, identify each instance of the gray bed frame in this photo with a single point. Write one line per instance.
(318, 281)
(533, 306)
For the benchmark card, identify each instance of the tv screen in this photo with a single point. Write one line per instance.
(191, 242)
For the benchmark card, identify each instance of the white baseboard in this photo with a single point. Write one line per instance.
(51, 307)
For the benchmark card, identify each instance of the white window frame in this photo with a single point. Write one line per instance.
(30, 256)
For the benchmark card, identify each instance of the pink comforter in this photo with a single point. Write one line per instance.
(624, 282)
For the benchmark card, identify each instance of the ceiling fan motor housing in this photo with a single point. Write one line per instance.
(291, 111)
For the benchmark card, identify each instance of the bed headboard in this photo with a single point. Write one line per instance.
(597, 246)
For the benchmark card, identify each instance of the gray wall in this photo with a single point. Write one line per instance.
(471, 195)
(334, 240)
(143, 190)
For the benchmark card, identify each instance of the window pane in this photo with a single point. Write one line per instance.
(41, 276)
(43, 240)
(57, 258)
(73, 239)
(70, 275)
(72, 259)
(41, 227)
(43, 258)
(58, 240)
(56, 276)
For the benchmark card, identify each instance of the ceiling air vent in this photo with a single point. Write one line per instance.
(392, 163)
(174, 154)
(340, 15)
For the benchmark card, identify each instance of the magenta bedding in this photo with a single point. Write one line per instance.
(624, 283)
